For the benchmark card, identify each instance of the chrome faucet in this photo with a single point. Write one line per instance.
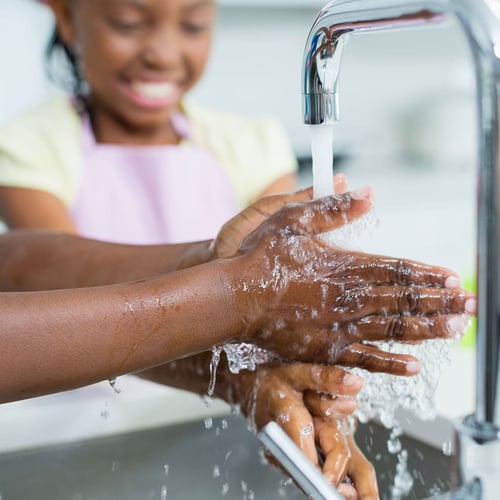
(477, 436)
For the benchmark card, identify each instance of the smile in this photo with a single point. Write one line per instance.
(153, 94)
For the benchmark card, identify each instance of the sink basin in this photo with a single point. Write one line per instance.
(190, 461)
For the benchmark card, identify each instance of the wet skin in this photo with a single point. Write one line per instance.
(345, 298)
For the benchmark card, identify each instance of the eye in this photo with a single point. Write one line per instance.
(195, 28)
(125, 26)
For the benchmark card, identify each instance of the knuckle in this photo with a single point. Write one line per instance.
(395, 328)
(403, 272)
(409, 299)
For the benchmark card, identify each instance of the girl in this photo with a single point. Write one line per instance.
(125, 158)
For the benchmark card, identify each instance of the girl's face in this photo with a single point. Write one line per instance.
(138, 56)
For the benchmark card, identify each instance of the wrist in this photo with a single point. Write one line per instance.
(248, 297)
(196, 253)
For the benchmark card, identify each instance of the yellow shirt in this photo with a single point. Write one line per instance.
(41, 149)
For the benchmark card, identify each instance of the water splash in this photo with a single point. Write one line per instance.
(346, 235)
(246, 357)
(214, 364)
(383, 394)
(403, 482)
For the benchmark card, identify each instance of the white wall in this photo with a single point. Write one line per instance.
(24, 27)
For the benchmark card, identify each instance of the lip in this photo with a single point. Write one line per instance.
(169, 95)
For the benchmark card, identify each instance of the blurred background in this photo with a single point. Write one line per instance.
(397, 90)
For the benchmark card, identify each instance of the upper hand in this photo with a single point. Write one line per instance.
(316, 302)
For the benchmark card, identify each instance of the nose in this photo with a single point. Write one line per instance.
(163, 48)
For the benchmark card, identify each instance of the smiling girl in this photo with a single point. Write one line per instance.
(124, 157)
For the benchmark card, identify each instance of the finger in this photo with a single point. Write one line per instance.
(299, 426)
(362, 473)
(373, 359)
(403, 328)
(335, 449)
(404, 299)
(329, 407)
(340, 183)
(328, 213)
(380, 270)
(348, 491)
(323, 378)
(240, 226)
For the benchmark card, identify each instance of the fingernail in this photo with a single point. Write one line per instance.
(365, 193)
(452, 282)
(471, 306)
(413, 367)
(457, 325)
(351, 380)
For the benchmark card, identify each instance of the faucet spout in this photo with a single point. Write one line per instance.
(480, 22)
(329, 34)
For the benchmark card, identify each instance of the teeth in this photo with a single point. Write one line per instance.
(154, 90)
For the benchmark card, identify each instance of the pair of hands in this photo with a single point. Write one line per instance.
(314, 302)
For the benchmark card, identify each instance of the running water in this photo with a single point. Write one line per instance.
(322, 159)
(382, 394)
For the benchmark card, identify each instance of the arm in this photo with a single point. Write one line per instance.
(44, 260)
(22, 208)
(62, 339)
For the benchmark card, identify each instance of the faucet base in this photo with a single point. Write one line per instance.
(476, 472)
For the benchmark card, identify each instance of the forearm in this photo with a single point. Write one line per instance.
(65, 339)
(31, 260)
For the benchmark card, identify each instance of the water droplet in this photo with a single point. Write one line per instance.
(394, 446)
(207, 401)
(214, 364)
(166, 469)
(112, 383)
(163, 493)
(225, 489)
(209, 423)
(307, 430)
(115, 466)
(447, 448)
(216, 472)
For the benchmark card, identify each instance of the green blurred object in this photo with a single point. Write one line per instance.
(469, 338)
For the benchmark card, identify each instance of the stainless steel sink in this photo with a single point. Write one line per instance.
(190, 462)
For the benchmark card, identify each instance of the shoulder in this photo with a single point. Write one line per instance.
(254, 151)
(57, 112)
(39, 148)
(225, 127)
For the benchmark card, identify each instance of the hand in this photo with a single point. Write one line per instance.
(309, 402)
(316, 302)
(343, 459)
(239, 227)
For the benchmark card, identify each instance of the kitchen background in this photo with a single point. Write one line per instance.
(407, 128)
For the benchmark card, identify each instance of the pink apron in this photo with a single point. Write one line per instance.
(151, 194)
